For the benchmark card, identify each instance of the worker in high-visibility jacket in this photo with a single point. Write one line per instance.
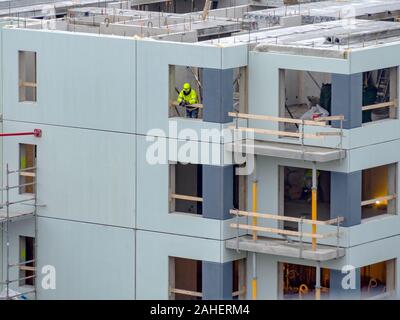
(186, 98)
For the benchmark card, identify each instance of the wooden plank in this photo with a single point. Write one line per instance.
(239, 292)
(330, 118)
(206, 9)
(277, 132)
(276, 231)
(186, 292)
(184, 197)
(276, 119)
(27, 174)
(28, 84)
(284, 218)
(195, 105)
(334, 221)
(380, 105)
(27, 268)
(372, 201)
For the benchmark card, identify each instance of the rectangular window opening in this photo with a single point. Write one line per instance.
(185, 185)
(185, 103)
(298, 281)
(26, 260)
(27, 163)
(296, 186)
(27, 76)
(191, 105)
(378, 191)
(185, 279)
(378, 279)
(239, 279)
(303, 95)
(239, 189)
(380, 93)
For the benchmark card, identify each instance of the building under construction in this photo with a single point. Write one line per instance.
(110, 190)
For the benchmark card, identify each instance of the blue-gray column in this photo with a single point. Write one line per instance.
(346, 197)
(217, 191)
(217, 95)
(338, 292)
(217, 281)
(347, 99)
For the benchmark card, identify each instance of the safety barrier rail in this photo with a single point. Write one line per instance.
(280, 231)
(378, 200)
(185, 197)
(300, 134)
(389, 104)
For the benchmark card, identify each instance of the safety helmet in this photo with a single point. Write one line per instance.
(186, 88)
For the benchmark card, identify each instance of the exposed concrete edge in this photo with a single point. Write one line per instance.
(323, 253)
(303, 51)
(287, 151)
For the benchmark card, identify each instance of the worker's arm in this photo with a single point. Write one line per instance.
(193, 97)
(180, 97)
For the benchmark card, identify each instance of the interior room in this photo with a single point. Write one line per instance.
(303, 93)
(185, 184)
(378, 191)
(299, 281)
(297, 183)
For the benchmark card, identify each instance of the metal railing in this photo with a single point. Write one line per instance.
(300, 235)
(301, 124)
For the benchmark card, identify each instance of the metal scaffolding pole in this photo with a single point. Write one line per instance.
(7, 222)
(7, 235)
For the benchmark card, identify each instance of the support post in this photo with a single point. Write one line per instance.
(254, 280)
(8, 233)
(346, 197)
(217, 191)
(217, 95)
(314, 205)
(347, 99)
(345, 284)
(217, 280)
(254, 202)
(318, 281)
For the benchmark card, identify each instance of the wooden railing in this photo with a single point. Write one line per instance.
(185, 197)
(389, 104)
(186, 292)
(378, 200)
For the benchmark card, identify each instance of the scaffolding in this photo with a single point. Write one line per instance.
(6, 218)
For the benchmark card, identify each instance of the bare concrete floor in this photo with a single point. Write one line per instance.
(279, 247)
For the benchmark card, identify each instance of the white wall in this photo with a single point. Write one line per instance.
(83, 80)
(91, 261)
(82, 175)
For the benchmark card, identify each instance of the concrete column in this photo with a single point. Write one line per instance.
(217, 280)
(347, 99)
(217, 95)
(346, 197)
(217, 191)
(344, 288)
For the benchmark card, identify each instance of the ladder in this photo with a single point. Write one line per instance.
(6, 219)
(382, 84)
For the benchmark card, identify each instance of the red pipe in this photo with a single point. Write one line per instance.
(36, 132)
